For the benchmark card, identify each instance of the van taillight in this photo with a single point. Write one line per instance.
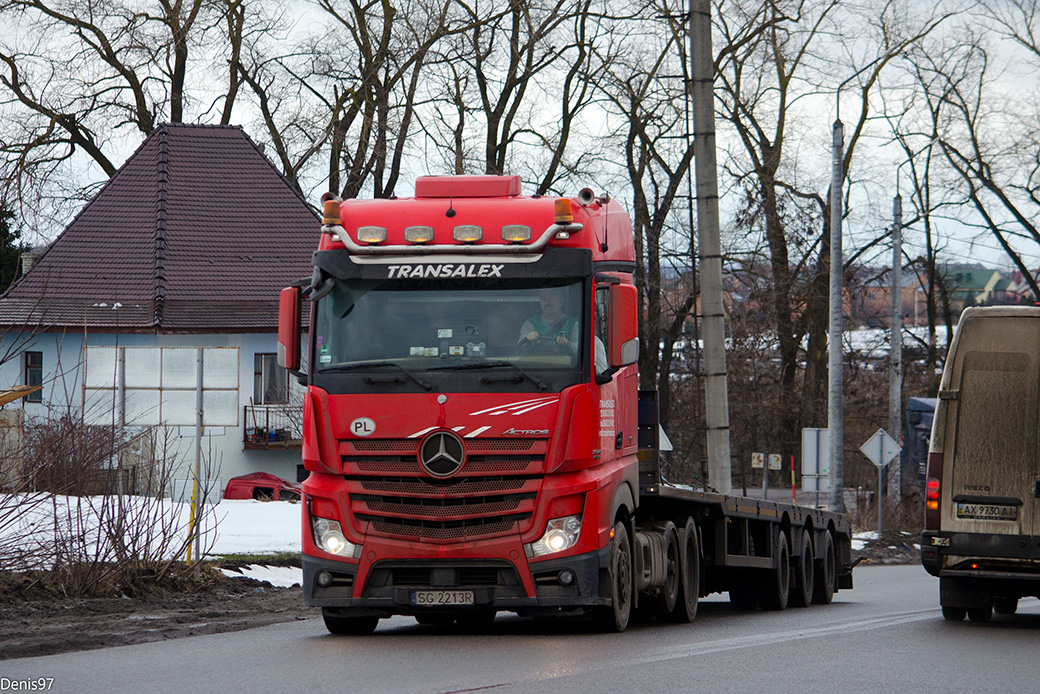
(931, 491)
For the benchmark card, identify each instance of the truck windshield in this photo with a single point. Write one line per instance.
(440, 325)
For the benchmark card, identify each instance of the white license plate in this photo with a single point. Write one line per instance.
(442, 597)
(986, 511)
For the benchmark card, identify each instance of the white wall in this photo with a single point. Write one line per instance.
(62, 355)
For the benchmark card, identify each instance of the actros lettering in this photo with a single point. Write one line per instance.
(443, 270)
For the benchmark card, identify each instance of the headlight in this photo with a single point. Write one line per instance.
(560, 534)
(328, 535)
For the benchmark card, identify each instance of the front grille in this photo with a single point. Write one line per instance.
(495, 492)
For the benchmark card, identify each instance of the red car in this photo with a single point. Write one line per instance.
(261, 486)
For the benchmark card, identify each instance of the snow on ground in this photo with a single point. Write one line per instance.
(79, 527)
(281, 576)
(860, 540)
(256, 527)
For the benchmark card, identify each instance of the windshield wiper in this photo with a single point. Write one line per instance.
(364, 365)
(491, 365)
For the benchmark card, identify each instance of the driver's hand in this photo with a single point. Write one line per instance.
(561, 340)
(532, 336)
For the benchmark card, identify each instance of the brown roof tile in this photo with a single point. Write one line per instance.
(196, 231)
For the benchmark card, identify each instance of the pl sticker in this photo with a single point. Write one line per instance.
(362, 426)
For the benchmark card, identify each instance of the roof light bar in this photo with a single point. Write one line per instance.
(467, 233)
(516, 233)
(418, 234)
(371, 234)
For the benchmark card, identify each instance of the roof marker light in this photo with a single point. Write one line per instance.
(467, 233)
(563, 211)
(371, 234)
(516, 233)
(331, 216)
(418, 234)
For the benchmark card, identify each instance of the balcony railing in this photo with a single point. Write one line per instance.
(272, 426)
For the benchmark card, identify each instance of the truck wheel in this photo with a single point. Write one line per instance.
(826, 568)
(804, 577)
(980, 614)
(685, 608)
(348, 626)
(668, 595)
(953, 614)
(614, 617)
(776, 583)
(1002, 605)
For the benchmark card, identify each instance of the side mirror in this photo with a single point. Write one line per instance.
(289, 329)
(623, 347)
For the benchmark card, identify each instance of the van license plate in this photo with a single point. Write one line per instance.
(442, 597)
(987, 511)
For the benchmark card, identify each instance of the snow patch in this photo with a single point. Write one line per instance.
(278, 576)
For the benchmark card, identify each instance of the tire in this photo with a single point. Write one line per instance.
(667, 597)
(826, 572)
(804, 578)
(953, 614)
(615, 616)
(348, 626)
(776, 583)
(1006, 606)
(980, 615)
(685, 609)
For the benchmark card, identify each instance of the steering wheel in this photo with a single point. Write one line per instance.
(542, 345)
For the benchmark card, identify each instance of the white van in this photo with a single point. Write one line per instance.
(982, 525)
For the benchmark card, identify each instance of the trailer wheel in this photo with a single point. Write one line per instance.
(1003, 605)
(953, 614)
(776, 583)
(685, 608)
(348, 626)
(826, 568)
(615, 616)
(804, 579)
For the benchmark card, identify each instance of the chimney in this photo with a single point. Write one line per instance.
(29, 259)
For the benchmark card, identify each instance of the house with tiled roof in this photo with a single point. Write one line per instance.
(185, 248)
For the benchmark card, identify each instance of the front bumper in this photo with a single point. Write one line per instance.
(496, 584)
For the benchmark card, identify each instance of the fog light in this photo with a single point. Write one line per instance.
(323, 579)
(467, 233)
(566, 577)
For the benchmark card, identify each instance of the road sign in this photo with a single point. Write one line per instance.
(774, 461)
(880, 448)
(758, 460)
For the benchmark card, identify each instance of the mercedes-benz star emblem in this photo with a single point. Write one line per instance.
(442, 454)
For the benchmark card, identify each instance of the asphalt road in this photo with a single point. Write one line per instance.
(886, 635)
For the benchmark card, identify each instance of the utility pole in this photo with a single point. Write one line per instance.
(835, 362)
(716, 394)
(895, 370)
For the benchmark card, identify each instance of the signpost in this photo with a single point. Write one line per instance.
(880, 449)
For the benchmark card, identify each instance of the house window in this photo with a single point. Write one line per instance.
(34, 375)
(270, 381)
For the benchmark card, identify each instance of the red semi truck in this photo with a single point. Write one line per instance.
(475, 436)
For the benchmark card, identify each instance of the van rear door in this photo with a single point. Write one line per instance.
(990, 480)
